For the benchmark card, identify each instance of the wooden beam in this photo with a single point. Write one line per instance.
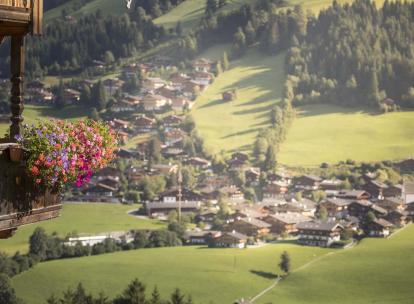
(16, 99)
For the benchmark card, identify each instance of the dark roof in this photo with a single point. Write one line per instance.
(383, 223)
(256, 222)
(290, 218)
(192, 205)
(236, 235)
(351, 193)
(318, 225)
(337, 201)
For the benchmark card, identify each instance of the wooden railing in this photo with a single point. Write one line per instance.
(17, 3)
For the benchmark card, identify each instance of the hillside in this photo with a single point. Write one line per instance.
(106, 6)
(233, 125)
(210, 275)
(82, 218)
(376, 271)
(324, 133)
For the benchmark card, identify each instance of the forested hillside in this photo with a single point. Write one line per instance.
(355, 55)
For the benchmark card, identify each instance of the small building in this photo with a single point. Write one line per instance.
(172, 196)
(391, 203)
(360, 209)
(285, 222)
(307, 182)
(249, 226)
(393, 191)
(199, 163)
(398, 218)
(156, 209)
(319, 233)
(375, 188)
(153, 102)
(230, 240)
(203, 65)
(201, 237)
(172, 120)
(274, 190)
(152, 83)
(328, 184)
(380, 228)
(229, 95)
(145, 124)
(234, 194)
(335, 206)
(181, 103)
(350, 194)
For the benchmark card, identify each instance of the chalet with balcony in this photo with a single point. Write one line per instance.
(156, 209)
(380, 228)
(336, 207)
(203, 65)
(252, 176)
(172, 121)
(249, 226)
(375, 188)
(327, 184)
(199, 163)
(360, 209)
(393, 191)
(145, 124)
(173, 195)
(273, 190)
(234, 194)
(231, 239)
(350, 194)
(201, 237)
(319, 233)
(152, 83)
(398, 218)
(391, 203)
(181, 103)
(285, 223)
(307, 182)
(153, 102)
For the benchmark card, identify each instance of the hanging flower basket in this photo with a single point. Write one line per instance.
(61, 152)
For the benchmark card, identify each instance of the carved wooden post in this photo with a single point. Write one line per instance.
(17, 67)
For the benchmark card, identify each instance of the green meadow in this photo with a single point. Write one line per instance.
(325, 133)
(232, 126)
(82, 218)
(210, 275)
(35, 113)
(190, 12)
(376, 271)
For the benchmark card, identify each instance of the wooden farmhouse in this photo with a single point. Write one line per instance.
(319, 233)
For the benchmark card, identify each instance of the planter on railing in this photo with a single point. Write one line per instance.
(49, 156)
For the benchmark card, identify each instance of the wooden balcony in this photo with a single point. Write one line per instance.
(21, 202)
(20, 17)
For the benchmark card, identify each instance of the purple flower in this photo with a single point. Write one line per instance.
(19, 138)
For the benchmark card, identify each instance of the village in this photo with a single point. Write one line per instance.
(226, 202)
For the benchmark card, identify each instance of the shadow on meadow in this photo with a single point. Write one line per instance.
(264, 274)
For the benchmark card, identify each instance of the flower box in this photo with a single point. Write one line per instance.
(49, 156)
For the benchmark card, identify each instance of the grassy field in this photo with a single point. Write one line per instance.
(82, 218)
(233, 125)
(211, 275)
(106, 6)
(33, 113)
(190, 12)
(324, 133)
(376, 271)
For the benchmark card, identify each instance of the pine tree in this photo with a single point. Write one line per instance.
(270, 161)
(60, 100)
(99, 97)
(177, 297)
(284, 264)
(239, 43)
(155, 296)
(85, 97)
(133, 294)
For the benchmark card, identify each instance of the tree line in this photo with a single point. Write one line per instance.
(68, 47)
(134, 293)
(356, 55)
